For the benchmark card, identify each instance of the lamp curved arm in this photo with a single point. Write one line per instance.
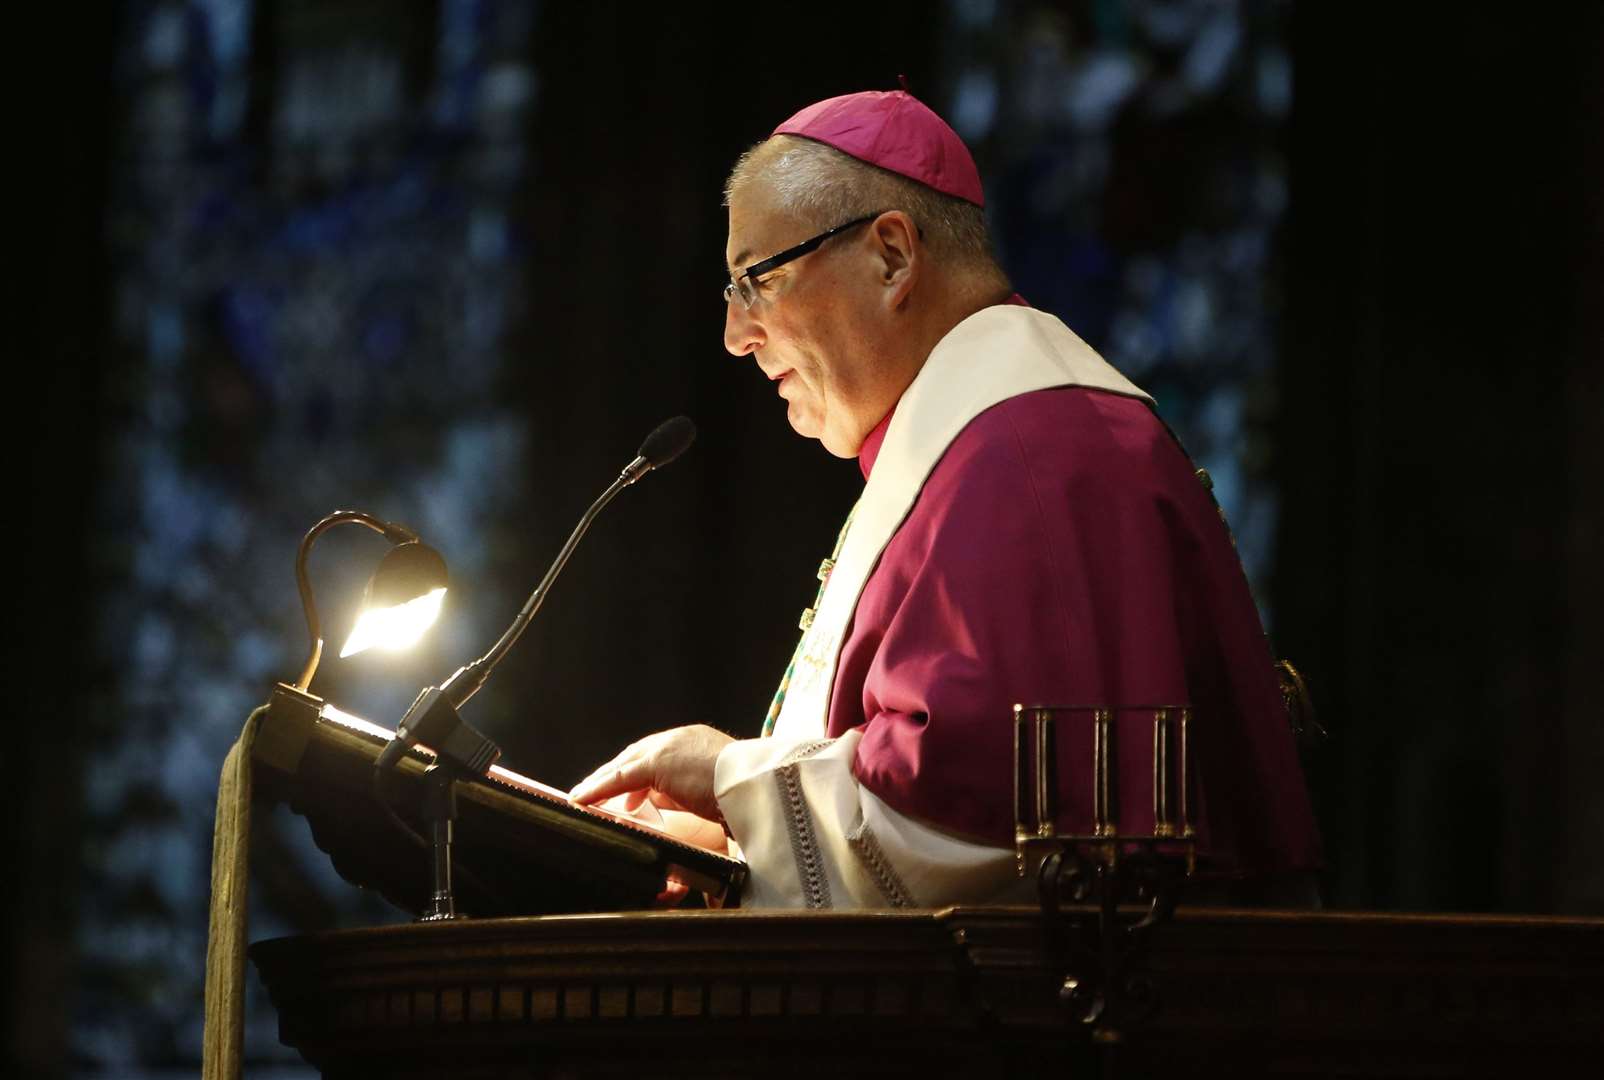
(396, 534)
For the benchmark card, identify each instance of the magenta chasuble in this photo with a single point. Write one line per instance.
(1063, 552)
(1029, 532)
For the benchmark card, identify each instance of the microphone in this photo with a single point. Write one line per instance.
(433, 718)
(668, 441)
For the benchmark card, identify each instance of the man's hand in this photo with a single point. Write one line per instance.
(674, 769)
(679, 824)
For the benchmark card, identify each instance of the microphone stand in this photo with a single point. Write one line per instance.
(440, 810)
(433, 719)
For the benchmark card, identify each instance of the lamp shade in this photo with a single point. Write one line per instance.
(402, 599)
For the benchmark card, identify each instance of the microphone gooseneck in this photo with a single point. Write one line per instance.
(433, 718)
(667, 442)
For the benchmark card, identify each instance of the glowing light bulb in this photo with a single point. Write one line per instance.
(395, 627)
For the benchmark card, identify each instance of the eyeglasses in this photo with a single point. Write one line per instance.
(744, 284)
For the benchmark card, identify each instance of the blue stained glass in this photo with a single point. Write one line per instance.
(1136, 187)
(292, 272)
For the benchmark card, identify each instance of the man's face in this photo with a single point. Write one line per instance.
(805, 328)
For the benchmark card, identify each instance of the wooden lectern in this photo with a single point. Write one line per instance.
(958, 992)
(727, 993)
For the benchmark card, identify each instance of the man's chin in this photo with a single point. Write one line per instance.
(809, 428)
(804, 425)
(840, 445)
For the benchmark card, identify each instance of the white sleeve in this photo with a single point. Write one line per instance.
(814, 837)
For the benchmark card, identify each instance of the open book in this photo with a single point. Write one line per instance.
(522, 848)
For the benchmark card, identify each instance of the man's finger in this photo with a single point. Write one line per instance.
(605, 783)
(662, 801)
(673, 892)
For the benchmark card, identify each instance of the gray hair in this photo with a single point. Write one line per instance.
(826, 187)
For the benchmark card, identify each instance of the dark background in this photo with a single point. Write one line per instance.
(1437, 430)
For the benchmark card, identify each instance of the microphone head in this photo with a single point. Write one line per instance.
(668, 441)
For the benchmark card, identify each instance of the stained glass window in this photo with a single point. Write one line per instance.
(1132, 155)
(316, 260)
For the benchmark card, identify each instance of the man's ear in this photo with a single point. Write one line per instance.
(900, 255)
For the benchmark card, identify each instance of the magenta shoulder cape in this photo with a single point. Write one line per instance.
(1063, 552)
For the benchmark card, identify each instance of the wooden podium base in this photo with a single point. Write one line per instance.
(936, 993)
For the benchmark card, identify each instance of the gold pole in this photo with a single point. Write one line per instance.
(1162, 825)
(1020, 773)
(1184, 800)
(1102, 752)
(1045, 770)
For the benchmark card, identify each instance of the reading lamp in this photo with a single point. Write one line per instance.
(402, 598)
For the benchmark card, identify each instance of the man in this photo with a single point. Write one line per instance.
(1029, 532)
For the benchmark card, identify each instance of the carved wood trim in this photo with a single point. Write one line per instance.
(936, 990)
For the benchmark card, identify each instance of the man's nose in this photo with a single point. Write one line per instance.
(743, 334)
